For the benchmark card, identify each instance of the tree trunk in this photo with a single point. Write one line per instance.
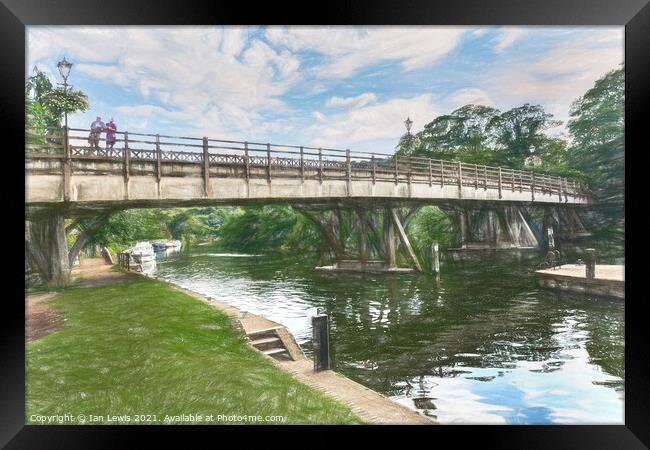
(85, 234)
(48, 250)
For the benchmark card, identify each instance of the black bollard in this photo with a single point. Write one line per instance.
(321, 341)
(590, 263)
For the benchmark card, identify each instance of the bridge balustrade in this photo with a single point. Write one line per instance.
(282, 160)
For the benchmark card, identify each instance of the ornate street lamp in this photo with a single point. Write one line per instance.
(64, 69)
(408, 122)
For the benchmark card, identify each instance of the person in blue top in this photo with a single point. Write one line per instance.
(111, 129)
(96, 129)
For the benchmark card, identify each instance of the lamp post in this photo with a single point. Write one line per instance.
(64, 69)
(408, 122)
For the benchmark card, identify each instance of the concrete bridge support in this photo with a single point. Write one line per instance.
(47, 248)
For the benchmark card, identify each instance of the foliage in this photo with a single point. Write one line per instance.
(428, 224)
(520, 131)
(143, 347)
(125, 228)
(257, 228)
(46, 104)
(597, 126)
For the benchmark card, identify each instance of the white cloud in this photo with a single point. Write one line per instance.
(206, 72)
(383, 121)
(507, 37)
(468, 96)
(349, 49)
(354, 102)
(559, 76)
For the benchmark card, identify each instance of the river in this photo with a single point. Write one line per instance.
(482, 345)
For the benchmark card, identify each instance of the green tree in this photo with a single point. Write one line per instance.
(46, 104)
(597, 126)
(463, 129)
(521, 129)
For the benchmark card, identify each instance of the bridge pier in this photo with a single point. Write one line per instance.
(377, 245)
(47, 248)
(490, 227)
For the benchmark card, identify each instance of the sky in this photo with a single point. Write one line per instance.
(337, 87)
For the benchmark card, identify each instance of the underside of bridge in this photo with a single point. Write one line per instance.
(357, 235)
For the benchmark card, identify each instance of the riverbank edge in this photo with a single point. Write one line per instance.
(368, 404)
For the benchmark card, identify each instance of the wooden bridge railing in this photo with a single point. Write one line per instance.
(280, 160)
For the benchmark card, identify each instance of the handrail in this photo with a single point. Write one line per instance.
(400, 168)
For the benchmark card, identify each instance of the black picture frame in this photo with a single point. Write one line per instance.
(15, 15)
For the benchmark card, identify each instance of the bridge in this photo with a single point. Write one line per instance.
(160, 170)
(68, 177)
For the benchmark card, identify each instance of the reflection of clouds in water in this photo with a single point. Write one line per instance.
(487, 356)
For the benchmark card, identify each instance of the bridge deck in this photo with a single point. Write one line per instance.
(202, 171)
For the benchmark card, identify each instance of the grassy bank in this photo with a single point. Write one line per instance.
(142, 347)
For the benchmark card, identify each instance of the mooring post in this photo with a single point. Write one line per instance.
(435, 257)
(321, 342)
(590, 263)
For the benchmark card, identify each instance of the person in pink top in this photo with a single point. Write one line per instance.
(111, 129)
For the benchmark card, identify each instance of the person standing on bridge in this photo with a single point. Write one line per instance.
(96, 129)
(111, 129)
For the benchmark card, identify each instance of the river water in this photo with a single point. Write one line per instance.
(482, 345)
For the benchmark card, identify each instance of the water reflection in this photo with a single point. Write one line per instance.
(481, 345)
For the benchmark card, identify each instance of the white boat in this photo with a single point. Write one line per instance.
(174, 244)
(143, 252)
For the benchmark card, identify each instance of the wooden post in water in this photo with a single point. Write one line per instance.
(320, 342)
(590, 263)
(435, 257)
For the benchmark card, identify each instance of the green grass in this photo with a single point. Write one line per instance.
(142, 347)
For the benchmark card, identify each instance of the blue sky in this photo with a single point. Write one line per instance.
(344, 87)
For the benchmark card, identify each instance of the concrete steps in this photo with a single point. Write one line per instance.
(267, 341)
